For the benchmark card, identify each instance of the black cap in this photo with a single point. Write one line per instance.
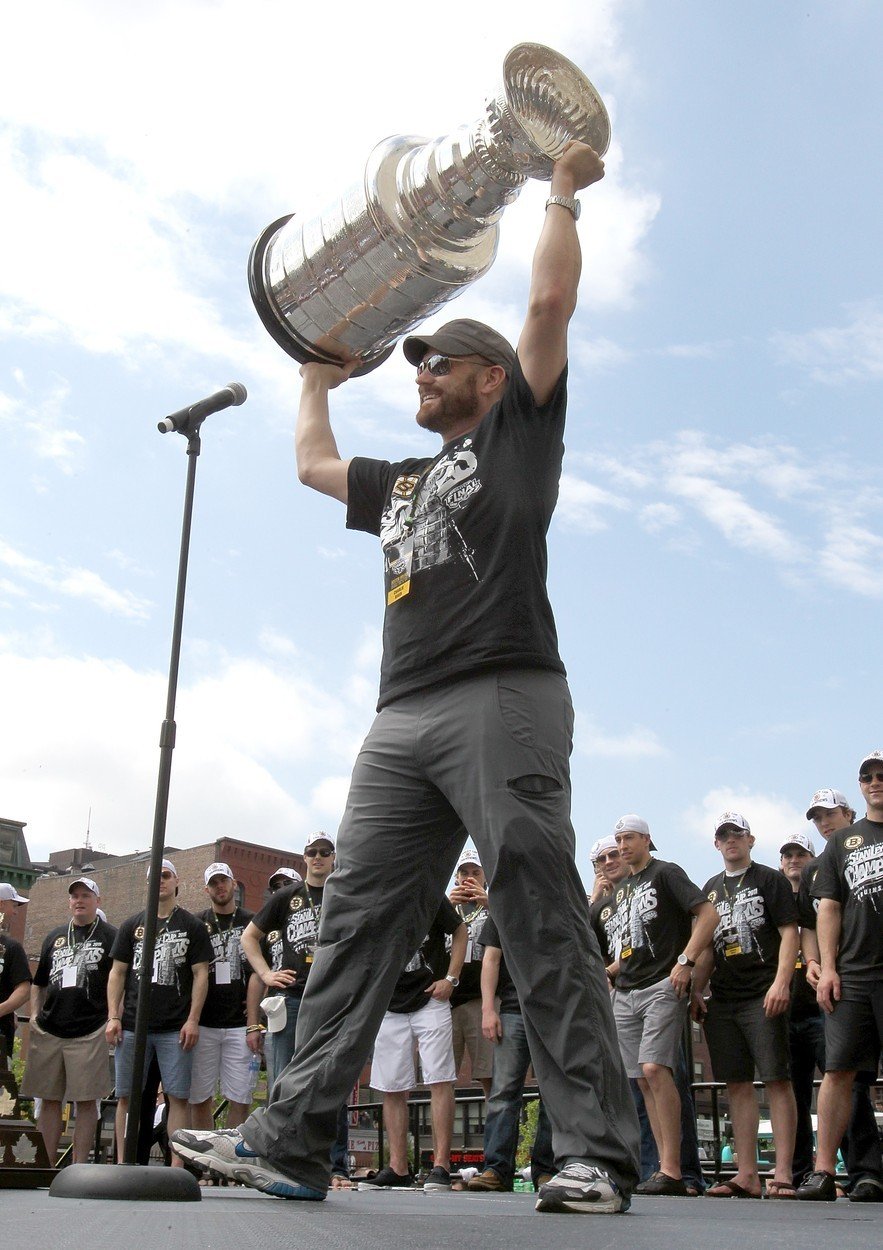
(462, 338)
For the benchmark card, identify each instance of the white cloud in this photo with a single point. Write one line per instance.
(851, 557)
(77, 583)
(741, 524)
(771, 818)
(584, 506)
(591, 740)
(41, 421)
(837, 354)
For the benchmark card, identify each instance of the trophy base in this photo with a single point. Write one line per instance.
(290, 342)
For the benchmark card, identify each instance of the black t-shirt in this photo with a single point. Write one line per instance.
(851, 873)
(808, 906)
(13, 970)
(464, 544)
(430, 963)
(655, 919)
(75, 962)
(605, 919)
(475, 918)
(181, 942)
(752, 905)
(290, 921)
(506, 991)
(229, 971)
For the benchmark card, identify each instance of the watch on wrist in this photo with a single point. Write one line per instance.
(685, 962)
(566, 201)
(455, 981)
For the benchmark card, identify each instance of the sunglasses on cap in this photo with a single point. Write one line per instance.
(323, 851)
(866, 777)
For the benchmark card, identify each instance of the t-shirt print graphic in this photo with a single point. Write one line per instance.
(429, 520)
(171, 948)
(84, 957)
(743, 914)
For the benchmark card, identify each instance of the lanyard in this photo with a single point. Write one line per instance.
(727, 895)
(225, 934)
(316, 910)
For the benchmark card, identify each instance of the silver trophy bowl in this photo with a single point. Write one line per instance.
(423, 222)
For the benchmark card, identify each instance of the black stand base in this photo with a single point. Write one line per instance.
(126, 1183)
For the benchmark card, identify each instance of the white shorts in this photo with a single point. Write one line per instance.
(222, 1056)
(392, 1068)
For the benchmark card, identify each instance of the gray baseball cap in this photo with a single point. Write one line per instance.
(462, 338)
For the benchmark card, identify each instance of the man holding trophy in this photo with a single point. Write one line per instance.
(473, 735)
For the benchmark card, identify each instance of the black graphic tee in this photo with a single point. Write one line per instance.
(228, 972)
(851, 873)
(464, 545)
(75, 961)
(13, 970)
(474, 917)
(290, 922)
(605, 920)
(654, 921)
(429, 964)
(181, 942)
(506, 992)
(752, 906)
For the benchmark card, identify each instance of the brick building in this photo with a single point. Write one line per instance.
(16, 868)
(122, 880)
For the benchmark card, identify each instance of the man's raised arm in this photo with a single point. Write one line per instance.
(318, 461)
(542, 347)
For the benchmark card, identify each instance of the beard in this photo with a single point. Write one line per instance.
(449, 409)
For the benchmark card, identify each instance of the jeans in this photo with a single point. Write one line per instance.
(503, 1119)
(807, 1041)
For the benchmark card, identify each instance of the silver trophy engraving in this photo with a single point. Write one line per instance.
(423, 223)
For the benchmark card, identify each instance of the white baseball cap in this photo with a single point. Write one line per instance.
(607, 843)
(630, 823)
(87, 882)
(873, 757)
(10, 894)
(294, 877)
(802, 840)
(827, 798)
(320, 837)
(469, 855)
(731, 818)
(168, 865)
(218, 870)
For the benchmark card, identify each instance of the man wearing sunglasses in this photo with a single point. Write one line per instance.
(849, 887)
(473, 734)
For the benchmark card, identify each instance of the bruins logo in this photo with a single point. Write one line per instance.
(296, 903)
(712, 895)
(851, 843)
(274, 936)
(620, 895)
(60, 941)
(139, 932)
(606, 914)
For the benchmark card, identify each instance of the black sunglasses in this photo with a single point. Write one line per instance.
(439, 365)
(324, 852)
(866, 777)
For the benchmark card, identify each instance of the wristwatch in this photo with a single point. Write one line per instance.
(566, 202)
(455, 981)
(685, 962)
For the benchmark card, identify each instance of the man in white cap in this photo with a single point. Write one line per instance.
(753, 955)
(67, 1054)
(473, 735)
(806, 1036)
(664, 923)
(469, 897)
(228, 1039)
(15, 973)
(179, 981)
(849, 887)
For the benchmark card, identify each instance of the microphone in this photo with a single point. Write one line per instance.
(233, 394)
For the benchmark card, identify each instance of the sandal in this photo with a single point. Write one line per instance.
(729, 1189)
(780, 1189)
(339, 1181)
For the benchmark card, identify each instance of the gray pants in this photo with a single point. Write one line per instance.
(488, 754)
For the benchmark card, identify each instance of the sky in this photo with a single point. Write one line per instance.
(715, 557)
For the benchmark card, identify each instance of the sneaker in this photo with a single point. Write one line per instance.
(226, 1152)
(818, 1187)
(582, 1189)
(661, 1185)
(438, 1180)
(386, 1178)
(487, 1182)
(868, 1189)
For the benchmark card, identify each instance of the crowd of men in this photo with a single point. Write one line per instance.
(784, 967)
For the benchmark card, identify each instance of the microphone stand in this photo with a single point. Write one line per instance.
(154, 1184)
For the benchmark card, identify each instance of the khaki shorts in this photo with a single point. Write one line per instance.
(466, 1023)
(75, 1069)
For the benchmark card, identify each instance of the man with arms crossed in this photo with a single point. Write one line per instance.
(473, 733)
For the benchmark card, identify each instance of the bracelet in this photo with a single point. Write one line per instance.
(255, 1028)
(115, 1018)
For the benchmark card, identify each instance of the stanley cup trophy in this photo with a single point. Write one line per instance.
(423, 223)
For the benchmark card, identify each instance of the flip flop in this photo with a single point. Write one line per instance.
(729, 1189)
(780, 1189)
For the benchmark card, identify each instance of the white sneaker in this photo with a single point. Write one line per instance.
(581, 1189)
(224, 1151)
